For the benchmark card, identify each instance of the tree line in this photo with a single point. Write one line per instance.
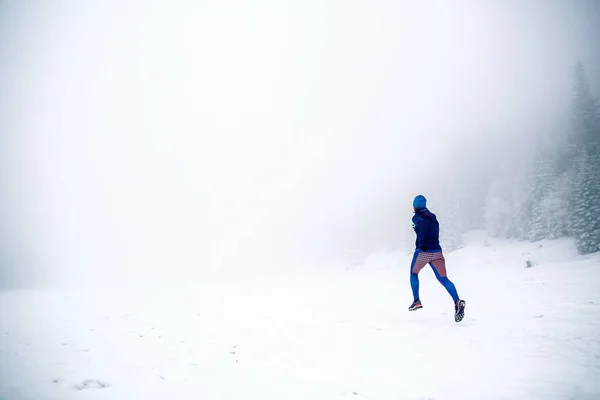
(551, 194)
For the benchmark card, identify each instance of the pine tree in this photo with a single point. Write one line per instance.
(548, 198)
(506, 202)
(585, 193)
(543, 180)
(593, 178)
(519, 218)
(578, 206)
(555, 206)
(586, 118)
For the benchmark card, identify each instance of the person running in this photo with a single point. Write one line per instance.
(429, 251)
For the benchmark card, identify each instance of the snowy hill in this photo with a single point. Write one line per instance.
(529, 333)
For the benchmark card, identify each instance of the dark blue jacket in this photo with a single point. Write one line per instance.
(427, 229)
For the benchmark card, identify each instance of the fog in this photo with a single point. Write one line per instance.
(174, 142)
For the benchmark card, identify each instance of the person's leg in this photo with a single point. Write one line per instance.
(439, 269)
(417, 264)
(438, 264)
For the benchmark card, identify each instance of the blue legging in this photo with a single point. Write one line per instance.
(437, 264)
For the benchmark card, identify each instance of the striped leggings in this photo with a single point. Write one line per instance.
(438, 263)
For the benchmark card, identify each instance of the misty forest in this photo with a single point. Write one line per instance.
(553, 192)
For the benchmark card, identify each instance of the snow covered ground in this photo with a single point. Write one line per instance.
(528, 333)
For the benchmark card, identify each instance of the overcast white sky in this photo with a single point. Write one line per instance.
(181, 138)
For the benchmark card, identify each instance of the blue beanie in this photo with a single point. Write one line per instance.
(420, 202)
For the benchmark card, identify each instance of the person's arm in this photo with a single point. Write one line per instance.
(420, 227)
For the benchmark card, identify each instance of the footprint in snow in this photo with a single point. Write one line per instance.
(91, 384)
